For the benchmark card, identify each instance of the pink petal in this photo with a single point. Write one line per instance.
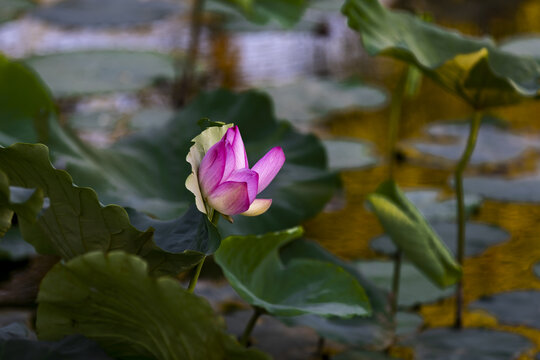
(250, 177)
(235, 139)
(258, 207)
(212, 167)
(268, 166)
(230, 198)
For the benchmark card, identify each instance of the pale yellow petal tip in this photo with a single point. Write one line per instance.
(192, 184)
(258, 207)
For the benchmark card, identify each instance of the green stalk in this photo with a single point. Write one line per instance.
(458, 179)
(257, 312)
(395, 281)
(195, 278)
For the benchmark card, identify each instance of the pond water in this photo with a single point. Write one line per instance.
(502, 284)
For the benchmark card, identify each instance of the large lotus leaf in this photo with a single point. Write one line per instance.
(301, 286)
(90, 72)
(474, 69)
(13, 247)
(12, 8)
(410, 231)
(25, 104)
(147, 171)
(467, 344)
(374, 330)
(110, 13)
(17, 343)
(110, 298)
(479, 237)
(286, 12)
(75, 222)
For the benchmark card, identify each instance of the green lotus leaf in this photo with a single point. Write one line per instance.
(373, 331)
(111, 299)
(75, 222)
(25, 104)
(302, 286)
(18, 342)
(411, 233)
(474, 69)
(147, 171)
(285, 12)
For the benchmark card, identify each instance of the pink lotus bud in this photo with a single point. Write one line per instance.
(221, 179)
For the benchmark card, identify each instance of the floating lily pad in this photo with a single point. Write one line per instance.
(301, 286)
(488, 147)
(110, 13)
(471, 68)
(524, 45)
(307, 100)
(111, 298)
(12, 8)
(91, 72)
(349, 154)
(479, 238)
(519, 308)
(415, 287)
(536, 269)
(467, 344)
(523, 189)
(427, 201)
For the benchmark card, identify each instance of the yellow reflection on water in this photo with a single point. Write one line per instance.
(504, 267)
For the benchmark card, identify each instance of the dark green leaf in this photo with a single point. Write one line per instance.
(410, 231)
(301, 286)
(75, 222)
(111, 299)
(90, 72)
(474, 69)
(374, 331)
(147, 171)
(25, 104)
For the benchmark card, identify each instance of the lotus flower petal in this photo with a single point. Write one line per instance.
(230, 198)
(235, 139)
(258, 207)
(212, 167)
(250, 177)
(268, 166)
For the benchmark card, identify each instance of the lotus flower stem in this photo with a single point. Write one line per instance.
(257, 312)
(195, 278)
(398, 256)
(460, 210)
